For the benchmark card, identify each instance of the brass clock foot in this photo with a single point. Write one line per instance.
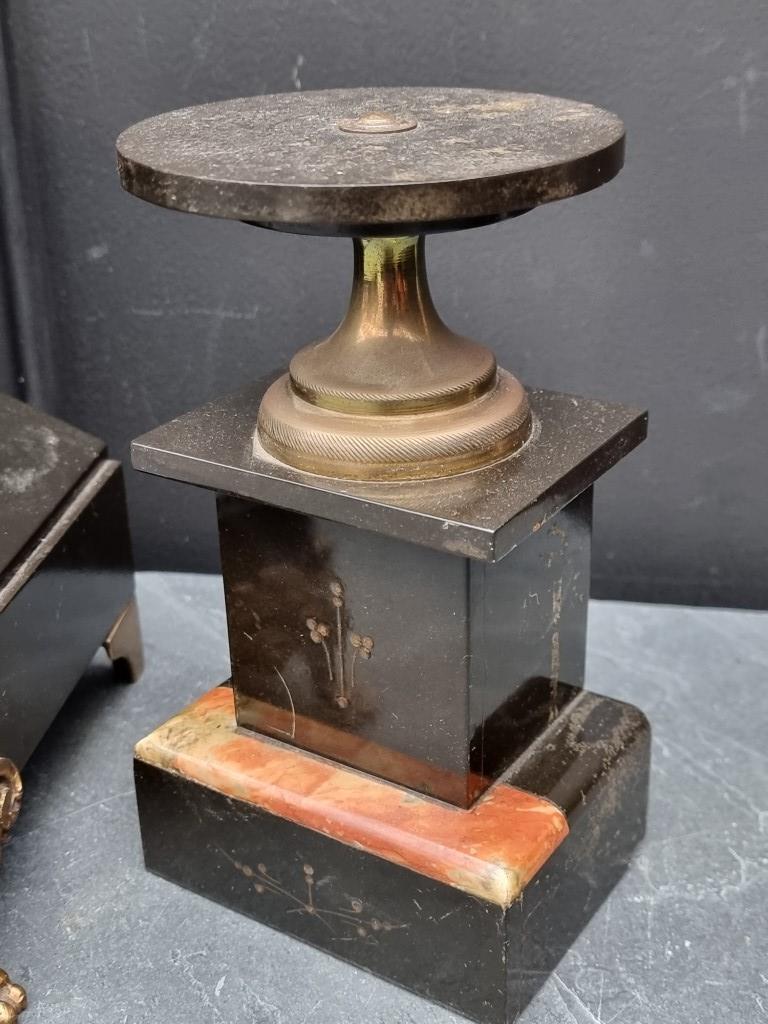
(13, 999)
(10, 798)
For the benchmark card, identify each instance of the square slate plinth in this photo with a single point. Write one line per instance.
(426, 668)
(483, 514)
(414, 631)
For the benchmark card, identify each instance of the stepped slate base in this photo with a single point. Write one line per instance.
(470, 908)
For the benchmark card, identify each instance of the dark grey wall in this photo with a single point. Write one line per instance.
(651, 290)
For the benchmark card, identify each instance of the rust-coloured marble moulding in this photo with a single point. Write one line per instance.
(491, 851)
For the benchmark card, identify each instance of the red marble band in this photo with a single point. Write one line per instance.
(491, 850)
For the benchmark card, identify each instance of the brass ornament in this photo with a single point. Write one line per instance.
(10, 798)
(393, 393)
(13, 999)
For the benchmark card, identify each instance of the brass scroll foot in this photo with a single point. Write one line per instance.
(123, 645)
(10, 798)
(13, 999)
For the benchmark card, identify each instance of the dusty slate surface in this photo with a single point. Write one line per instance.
(683, 938)
(467, 154)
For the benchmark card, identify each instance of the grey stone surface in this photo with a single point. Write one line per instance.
(682, 939)
(651, 290)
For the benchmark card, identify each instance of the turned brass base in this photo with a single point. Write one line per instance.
(393, 394)
(408, 447)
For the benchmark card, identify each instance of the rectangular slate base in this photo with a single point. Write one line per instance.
(429, 929)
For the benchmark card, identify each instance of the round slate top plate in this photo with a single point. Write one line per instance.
(371, 161)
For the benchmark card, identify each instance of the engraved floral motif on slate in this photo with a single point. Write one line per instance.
(341, 668)
(349, 917)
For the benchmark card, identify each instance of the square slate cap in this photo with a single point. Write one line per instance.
(484, 514)
(41, 460)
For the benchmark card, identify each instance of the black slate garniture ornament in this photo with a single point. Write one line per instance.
(66, 570)
(406, 770)
(66, 589)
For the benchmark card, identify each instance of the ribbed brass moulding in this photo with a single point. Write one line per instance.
(393, 394)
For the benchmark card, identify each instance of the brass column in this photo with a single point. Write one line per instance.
(393, 393)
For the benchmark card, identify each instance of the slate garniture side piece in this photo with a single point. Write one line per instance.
(405, 771)
(66, 570)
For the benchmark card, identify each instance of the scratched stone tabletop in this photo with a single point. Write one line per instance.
(683, 938)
